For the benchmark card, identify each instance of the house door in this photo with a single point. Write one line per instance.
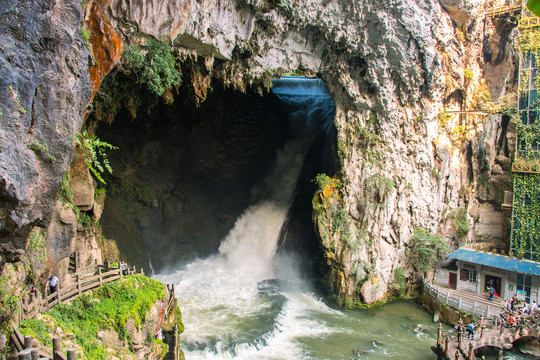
(452, 280)
(495, 282)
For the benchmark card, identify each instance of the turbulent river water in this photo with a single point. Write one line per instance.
(249, 301)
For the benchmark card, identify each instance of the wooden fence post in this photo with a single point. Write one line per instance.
(71, 354)
(58, 294)
(27, 342)
(25, 355)
(100, 278)
(35, 354)
(79, 284)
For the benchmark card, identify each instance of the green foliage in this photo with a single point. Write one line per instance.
(35, 256)
(534, 6)
(460, 222)
(86, 38)
(38, 329)
(93, 149)
(40, 148)
(383, 184)
(528, 139)
(8, 306)
(107, 308)
(323, 181)
(84, 219)
(65, 192)
(426, 249)
(443, 119)
(155, 65)
(399, 285)
(435, 174)
(16, 98)
(468, 74)
(525, 239)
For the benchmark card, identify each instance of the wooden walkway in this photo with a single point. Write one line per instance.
(35, 303)
(496, 333)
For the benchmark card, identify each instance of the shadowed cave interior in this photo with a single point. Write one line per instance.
(183, 174)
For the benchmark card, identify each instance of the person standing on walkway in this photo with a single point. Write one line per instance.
(491, 291)
(470, 329)
(52, 282)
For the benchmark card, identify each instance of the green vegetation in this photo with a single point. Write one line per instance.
(35, 256)
(426, 249)
(40, 148)
(154, 64)
(8, 306)
(383, 184)
(460, 222)
(65, 192)
(107, 308)
(399, 285)
(16, 98)
(525, 221)
(91, 146)
(468, 74)
(86, 38)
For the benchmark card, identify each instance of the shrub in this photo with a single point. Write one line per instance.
(35, 256)
(460, 222)
(65, 192)
(426, 249)
(154, 63)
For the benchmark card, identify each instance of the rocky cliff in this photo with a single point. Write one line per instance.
(396, 71)
(45, 91)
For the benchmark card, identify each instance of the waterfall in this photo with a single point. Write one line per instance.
(225, 316)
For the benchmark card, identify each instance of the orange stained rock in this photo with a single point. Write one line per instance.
(106, 45)
(328, 189)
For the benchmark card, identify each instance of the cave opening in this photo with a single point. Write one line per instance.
(183, 174)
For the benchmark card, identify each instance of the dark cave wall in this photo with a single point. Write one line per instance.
(183, 174)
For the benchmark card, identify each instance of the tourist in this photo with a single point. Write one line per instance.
(511, 319)
(526, 310)
(124, 268)
(52, 282)
(470, 329)
(491, 291)
(534, 306)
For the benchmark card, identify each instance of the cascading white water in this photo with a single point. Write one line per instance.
(222, 308)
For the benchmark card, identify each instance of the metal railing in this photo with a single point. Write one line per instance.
(458, 303)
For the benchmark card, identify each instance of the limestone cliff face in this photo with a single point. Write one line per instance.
(44, 91)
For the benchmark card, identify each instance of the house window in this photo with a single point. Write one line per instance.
(468, 273)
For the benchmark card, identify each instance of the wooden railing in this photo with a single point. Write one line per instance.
(503, 10)
(35, 303)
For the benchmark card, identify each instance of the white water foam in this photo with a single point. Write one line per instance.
(224, 315)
